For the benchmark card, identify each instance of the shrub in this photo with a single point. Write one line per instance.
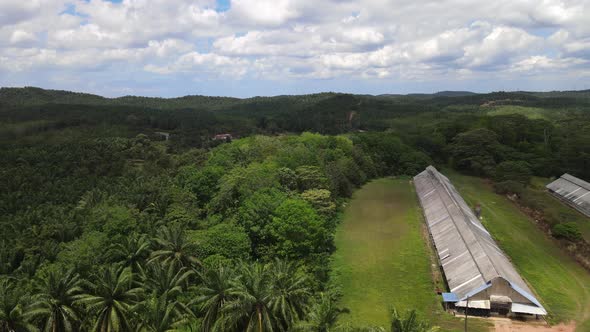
(509, 187)
(567, 230)
(533, 201)
(555, 216)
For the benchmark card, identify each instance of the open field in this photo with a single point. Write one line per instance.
(563, 286)
(382, 259)
(529, 112)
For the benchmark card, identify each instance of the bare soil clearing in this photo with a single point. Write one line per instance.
(508, 325)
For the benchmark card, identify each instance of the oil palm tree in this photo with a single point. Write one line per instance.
(7, 255)
(213, 294)
(251, 297)
(13, 313)
(290, 293)
(322, 316)
(410, 323)
(57, 293)
(174, 248)
(111, 298)
(132, 251)
(162, 314)
(165, 279)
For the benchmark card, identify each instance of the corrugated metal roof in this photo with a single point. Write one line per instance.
(478, 290)
(573, 191)
(479, 304)
(526, 294)
(527, 309)
(470, 258)
(450, 297)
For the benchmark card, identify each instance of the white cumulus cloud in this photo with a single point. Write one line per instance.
(290, 40)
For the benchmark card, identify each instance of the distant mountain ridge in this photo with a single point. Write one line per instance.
(568, 93)
(31, 96)
(34, 96)
(446, 93)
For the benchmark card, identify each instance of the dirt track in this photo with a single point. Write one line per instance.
(507, 325)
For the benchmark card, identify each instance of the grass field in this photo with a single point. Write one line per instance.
(529, 112)
(383, 261)
(562, 285)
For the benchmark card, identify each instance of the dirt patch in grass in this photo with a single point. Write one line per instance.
(507, 325)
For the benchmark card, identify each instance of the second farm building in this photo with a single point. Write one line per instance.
(478, 273)
(573, 192)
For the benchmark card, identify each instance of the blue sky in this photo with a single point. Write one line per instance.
(268, 47)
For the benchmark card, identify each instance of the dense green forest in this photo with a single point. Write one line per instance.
(106, 225)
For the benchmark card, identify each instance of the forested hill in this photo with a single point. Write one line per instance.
(36, 96)
(192, 119)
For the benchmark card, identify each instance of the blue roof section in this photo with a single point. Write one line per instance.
(477, 290)
(450, 297)
(525, 294)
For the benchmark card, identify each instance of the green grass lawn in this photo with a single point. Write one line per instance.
(383, 261)
(562, 285)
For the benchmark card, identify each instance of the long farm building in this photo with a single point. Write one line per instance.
(478, 273)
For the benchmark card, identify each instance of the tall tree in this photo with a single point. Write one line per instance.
(409, 323)
(162, 314)
(291, 293)
(476, 151)
(57, 293)
(14, 314)
(297, 231)
(173, 247)
(322, 316)
(214, 293)
(111, 298)
(252, 295)
(165, 279)
(132, 251)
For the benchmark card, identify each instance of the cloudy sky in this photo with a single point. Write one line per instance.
(269, 47)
